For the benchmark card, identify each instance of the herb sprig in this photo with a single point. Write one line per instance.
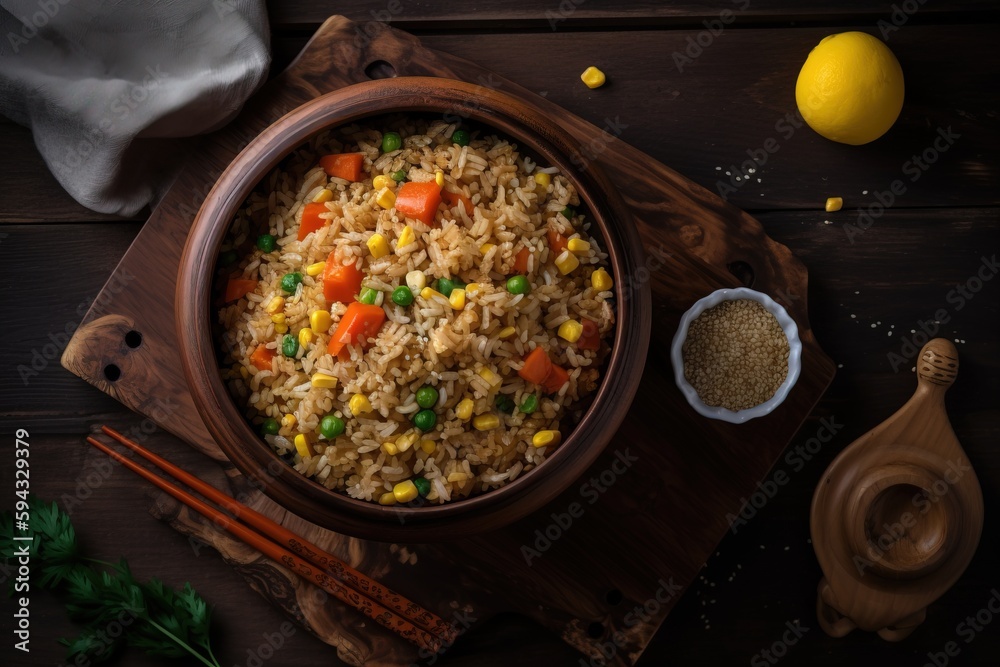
(153, 617)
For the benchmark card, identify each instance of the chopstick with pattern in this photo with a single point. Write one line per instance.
(326, 577)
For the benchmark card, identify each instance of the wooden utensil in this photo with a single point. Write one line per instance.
(897, 516)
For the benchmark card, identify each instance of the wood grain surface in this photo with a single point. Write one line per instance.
(897, 274)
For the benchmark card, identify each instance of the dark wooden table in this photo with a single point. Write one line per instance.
(874, 281)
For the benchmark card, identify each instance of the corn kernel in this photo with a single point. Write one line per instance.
(306, 336)
(457, 298)
(506, 332)
(428, 446)
(359, 405)
(428, 294)
(457, 477)
(464, 409)
(281, 328)
(275, 305)
(570, 330)
(405, 441)
(382, 181)
(601, 280)
(378, 246)
(315, 269)
(405, 491)
(390, 448)
(566, 262)
(324, 381)
(386, 198)
(322, 196)
(387, 498)
(486, 422)
(278, 318)
(288, 420)
(593, 77)
(472, 288)
(485, 248)
(578, 246)
(320, 320)
(492, 379)
(834, 204)
(416, 281)
(543, 179)
(406, 237)
(546, 438)
(439, 179)
(302, 446)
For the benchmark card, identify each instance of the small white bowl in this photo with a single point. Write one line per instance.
(794, 354)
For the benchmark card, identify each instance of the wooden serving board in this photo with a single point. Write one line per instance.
(612, 554)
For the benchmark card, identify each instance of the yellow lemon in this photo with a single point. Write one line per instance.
(850, 88)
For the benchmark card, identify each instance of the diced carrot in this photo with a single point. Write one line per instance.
(419, 201)
(311, 220)
(238, 288)
(554, 381)
(537, 366)
(359, 323)
(521, 261)
(452, 198)
(261, 357)
(590, 339)
(341, 282)
(347, 166)
(557, 242)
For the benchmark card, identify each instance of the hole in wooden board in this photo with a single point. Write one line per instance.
(380, 69)
(133, 339)
(743, 272)
(112, 372)
(613, 597)
(595, 630)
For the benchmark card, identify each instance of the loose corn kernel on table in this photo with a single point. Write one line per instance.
(704, 88)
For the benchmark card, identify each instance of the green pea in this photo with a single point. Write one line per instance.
(446, 285)
(568, 213)
(398, 176)
(331, 426)
(368, 295)
(505, 403)
(391, 141)
(228, 258)
(423, 486)
(270, 426)
(289, 345)
(427, 396)
(425, 420)
(518, 285)
(460, 137)
(266, 242)
(402, 296)
(529, 404)
(291, 281)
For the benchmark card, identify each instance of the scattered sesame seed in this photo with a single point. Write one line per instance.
(874, 325)
(853, 316)
(840, 365)
(864, 192)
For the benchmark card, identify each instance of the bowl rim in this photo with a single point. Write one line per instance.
(788, 326)
(253, 456)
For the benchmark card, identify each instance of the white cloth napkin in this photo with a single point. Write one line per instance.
(108, 88)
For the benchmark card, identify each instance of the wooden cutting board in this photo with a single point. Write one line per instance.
(603, 564)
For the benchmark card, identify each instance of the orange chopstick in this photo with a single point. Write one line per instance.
(299, 545)
(349, 596)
